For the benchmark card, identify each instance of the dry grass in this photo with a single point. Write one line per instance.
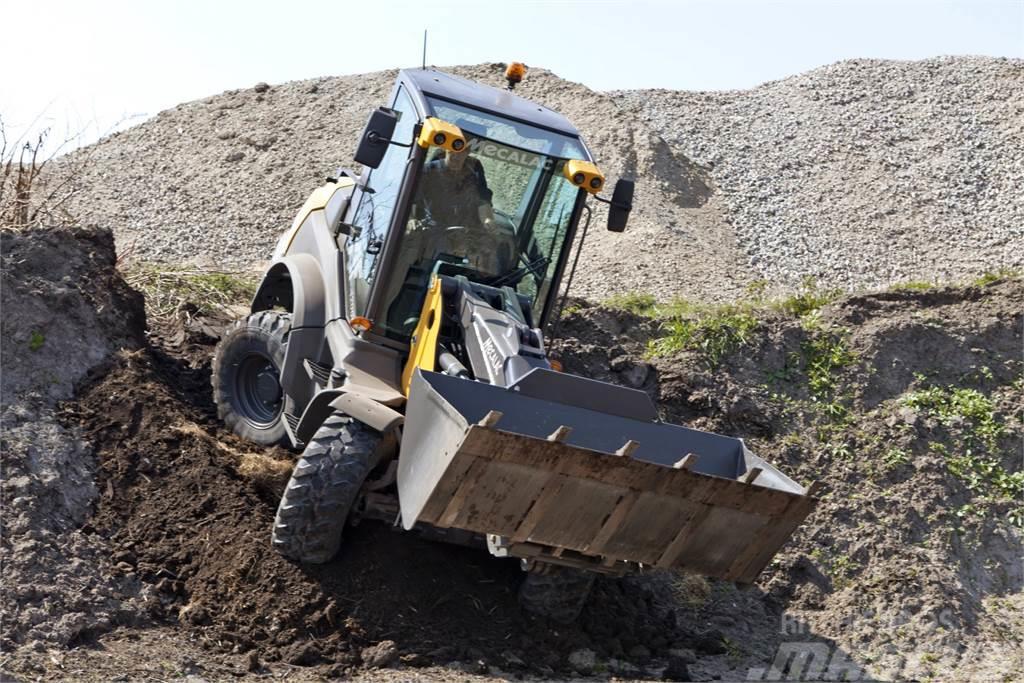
(168, 288)
(690, 589)
(30, 194)
(264, 471)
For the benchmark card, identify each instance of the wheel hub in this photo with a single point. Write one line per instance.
(268, 389)
(258, 390)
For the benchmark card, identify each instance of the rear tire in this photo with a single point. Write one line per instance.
(559, 594)
(246, 377)
(324, 485)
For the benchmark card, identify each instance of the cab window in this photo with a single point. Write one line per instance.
(373, 216)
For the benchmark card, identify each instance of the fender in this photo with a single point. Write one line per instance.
(296, 283)
(366, 410)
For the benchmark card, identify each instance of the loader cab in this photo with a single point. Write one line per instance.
(501, 210)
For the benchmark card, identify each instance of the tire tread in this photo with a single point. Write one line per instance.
(324, 485)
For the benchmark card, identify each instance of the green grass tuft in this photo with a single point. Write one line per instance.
(975, 459)
(808, 299)
(990, 276)
(714, 331)
(894, 457)
(168, 287)
(826, 354)
(913, 286)
(36, 341)
(640, 304)
(952, 404)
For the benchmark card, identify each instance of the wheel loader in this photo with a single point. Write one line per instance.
(397, 339)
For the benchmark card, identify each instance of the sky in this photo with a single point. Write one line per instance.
(83, 68)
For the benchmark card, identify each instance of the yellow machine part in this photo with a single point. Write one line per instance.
(423, 351)
(317, 201)
(441, 134)
(584, 174)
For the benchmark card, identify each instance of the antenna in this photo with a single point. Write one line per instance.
(424, 48)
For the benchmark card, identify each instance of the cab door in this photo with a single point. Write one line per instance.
(376, 205)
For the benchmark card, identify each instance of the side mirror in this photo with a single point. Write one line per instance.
(376, 136)
(620, 205)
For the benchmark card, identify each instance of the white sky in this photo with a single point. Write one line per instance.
(85, 65)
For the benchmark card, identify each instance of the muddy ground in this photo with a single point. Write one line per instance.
(142, 550)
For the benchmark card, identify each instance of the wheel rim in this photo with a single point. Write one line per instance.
(257, 395)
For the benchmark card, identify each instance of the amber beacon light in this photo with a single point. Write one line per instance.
(514, 73)
(360, 324)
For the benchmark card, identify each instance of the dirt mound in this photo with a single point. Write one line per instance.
(65, 309)
(132, 506)
(177, 510)
(906, 406)
(65, 312)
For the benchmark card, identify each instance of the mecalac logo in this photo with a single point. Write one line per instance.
(492, 354)
(511, 155)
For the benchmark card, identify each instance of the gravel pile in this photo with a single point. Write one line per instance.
(215, 181)
(864, 172)
(858, 174)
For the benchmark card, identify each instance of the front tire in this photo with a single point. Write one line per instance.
(246, 377)
(324, 486)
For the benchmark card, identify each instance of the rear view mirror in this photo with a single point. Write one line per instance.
(620, 205)
(376, 136)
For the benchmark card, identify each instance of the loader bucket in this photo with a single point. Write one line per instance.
(560, 465)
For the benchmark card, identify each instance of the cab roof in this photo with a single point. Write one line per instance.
(501, 102)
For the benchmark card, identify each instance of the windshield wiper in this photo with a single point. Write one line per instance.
(513, 277)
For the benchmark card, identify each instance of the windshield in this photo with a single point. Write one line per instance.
(495, 213)
(508, 132)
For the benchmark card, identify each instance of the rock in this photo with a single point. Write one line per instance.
(640, 652)
(624, 669)
(261, 87)
(234, 156)
(677, 670)
(303, 653)
(195, 614)
(583, 661)
(415, 659)
(381, 655)
(445, 653)
(683, 653)
(908, 415)
(124, 556)
(710, 643)
(513, 660)
(635, 375)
